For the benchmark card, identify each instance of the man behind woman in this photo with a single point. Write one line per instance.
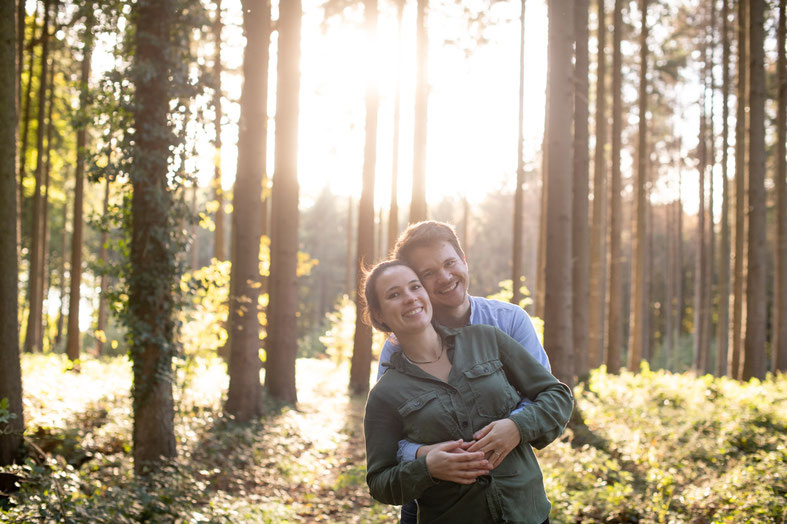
(450, 391)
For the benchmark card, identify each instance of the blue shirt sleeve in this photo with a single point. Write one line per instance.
(407, 451)
(389, 348)
(522, 331)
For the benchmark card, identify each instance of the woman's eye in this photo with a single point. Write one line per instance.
(393, 295)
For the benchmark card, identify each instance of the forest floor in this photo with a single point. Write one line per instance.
(644, 447)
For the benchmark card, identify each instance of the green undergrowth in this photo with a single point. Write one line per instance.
(663, 447)
(646, 447)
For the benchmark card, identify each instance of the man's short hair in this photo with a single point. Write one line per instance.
(423, 234)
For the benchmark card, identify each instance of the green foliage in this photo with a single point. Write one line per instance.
(672, 448)
(339, 338)
(506, 293)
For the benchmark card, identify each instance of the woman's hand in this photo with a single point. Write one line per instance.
(450, 461)
(496, 440)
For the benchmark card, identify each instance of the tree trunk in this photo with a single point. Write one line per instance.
(393, 211)
(699, 356)
(10, 368)
(32, 342)
(558, 316)
(615, 293)
(360, 366)
(219, 249)
(722, 342)
(282, 345)
(349, 261)
(152, 276)
(516, 264)
(780, 284)
(669, 299)
(61, 274)
(101, 324)
(711, 138)
(637, 333)
(738, 308)
(756, 317)
(73, 341)
(418, 200)
(581, 230)
(244, 398)
(598, 225)
(43, 290)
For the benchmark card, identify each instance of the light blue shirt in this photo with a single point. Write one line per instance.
(509, 318)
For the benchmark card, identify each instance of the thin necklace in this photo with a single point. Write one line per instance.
(442, 350)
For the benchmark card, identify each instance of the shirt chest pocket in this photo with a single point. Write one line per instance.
(494, 396)
(426, 420)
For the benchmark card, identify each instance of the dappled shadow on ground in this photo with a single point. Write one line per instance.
(302, 464)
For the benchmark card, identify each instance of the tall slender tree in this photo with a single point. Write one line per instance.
(637, 323)
(739, 305)
(244, 397)
(152, 265)
(393, 210)
(10, 368)
(34, 316)
(722, 341)
(101, 321)
(558, 317)
(615, 300)
(754, 361)
(219, 248)
(516, 265)
(73, 338)
(580, 221)
(780, 287)
(597, 229)
(282, 344)
(360, 366)
(418, 200)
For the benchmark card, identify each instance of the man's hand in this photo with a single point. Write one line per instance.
(496, 440)
(450, 461)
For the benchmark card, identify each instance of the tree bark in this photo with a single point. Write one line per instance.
(598, 224)
(219, 249)
(780, 284)
(516, 264)
(739, 306)
(360, 366)
(10, 368)
(722, 342)
(282, 345)
(34, 317)
(393, 211)
(73, 342)
(580, 236)
(558, 315)
(637, 332)
(152, 277)
(754, 360)
(101, 323)
(418, 200)
(244, 398)
(615, 305)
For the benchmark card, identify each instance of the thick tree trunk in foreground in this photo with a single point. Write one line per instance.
(152, 278)
(282, 343)
(10, 369)
(754, 361)
(558, 316)
(244, 398)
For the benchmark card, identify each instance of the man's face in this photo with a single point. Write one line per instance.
(443, 273)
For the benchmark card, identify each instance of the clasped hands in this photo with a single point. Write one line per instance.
(463, 462)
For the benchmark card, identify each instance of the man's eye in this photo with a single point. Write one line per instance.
(450, 263)
(426, 274)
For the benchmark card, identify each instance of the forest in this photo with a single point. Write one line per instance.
(192, 190)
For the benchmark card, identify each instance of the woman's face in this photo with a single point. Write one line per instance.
(404, 304)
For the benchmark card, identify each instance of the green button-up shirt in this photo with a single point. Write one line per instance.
(489, 371)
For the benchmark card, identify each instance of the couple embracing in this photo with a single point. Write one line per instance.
(463, 393)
